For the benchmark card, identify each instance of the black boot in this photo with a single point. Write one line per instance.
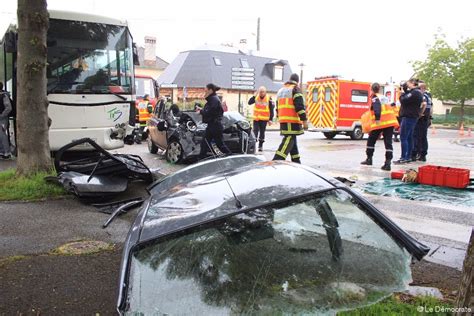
(386, 166)
(367, 162)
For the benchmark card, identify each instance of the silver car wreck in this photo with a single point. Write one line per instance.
(179, 133)
(241, 235)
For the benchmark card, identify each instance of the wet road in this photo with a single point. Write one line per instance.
(445, 228)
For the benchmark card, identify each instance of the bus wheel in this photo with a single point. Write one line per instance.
(329, 135)
(152, 148)
(357, 133)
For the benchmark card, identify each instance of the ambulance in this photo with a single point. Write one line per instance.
(335, 105)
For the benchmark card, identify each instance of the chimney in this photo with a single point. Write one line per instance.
(150, 51)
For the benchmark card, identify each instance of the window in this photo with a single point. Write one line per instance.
(315, 95)
(360, 96)
(244, 63)
(217, 61)
(327, 94)
(278, 73)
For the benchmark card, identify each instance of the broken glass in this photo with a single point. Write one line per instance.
(319, 255)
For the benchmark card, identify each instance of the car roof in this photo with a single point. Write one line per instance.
(214, 194)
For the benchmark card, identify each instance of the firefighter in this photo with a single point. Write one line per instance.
(212, 115)
(262, 114)
(383, 122)
(292, 117)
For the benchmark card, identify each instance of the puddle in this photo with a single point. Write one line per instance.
(420, 192)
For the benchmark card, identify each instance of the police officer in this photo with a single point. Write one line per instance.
(420, 135)
(5, 110)
(410, 100)
(212, 115)
(384, 121)
(292, 118)
(262, 114)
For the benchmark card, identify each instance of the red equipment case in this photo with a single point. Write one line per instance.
(444, 176)
(398, 174)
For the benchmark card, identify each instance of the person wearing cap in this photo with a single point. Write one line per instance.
(262, 114)
(292, 117)
(212, 114)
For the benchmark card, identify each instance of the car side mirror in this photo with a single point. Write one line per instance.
(161, 126)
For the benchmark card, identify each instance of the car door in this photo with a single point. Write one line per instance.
(156, 126)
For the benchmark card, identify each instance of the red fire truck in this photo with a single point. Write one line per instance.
(336, 105)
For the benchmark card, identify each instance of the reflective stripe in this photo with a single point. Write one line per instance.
(298, 95)
(281, 154)
(296, 156)
(292, 132)
(301, 112)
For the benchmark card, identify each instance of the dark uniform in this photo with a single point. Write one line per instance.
(291, 114)
(212, 115)
(420, 135)
(409, 113)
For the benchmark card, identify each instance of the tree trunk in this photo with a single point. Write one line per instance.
(32, 103)
(465, 297)
(461, 115)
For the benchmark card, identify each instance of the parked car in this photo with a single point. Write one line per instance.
(241, 235)
(179, 133)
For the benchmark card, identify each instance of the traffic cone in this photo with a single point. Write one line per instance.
(433, 130)
(461, 130)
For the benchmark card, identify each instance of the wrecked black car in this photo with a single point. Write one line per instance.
(179, 133)
(240, 235)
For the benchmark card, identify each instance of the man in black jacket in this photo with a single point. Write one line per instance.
(5, 110)
(410, 101)
(212, 115)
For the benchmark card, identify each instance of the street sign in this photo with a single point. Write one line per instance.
(243, 69)
(245, 83)
(243, 87)
(169, 85)
(243, 78)
(243, 74)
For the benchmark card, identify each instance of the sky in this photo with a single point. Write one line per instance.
(364, 40)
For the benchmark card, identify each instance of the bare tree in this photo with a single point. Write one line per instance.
(32, 102)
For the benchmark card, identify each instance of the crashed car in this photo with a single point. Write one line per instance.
(240, 235)
(179, 133)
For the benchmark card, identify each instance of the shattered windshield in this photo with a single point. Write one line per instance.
(317, 255)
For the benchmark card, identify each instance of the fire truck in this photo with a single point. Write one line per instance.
(336, 105)
(146, 99)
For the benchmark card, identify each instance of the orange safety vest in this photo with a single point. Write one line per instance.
(388, 118)
(143, 111)
(286, 107)
(261, 110)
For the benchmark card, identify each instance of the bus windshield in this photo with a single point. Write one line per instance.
(144, 86)
(89, 58)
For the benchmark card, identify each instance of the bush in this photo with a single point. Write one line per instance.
(468, 110)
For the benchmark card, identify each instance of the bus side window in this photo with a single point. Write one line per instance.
(327, 94)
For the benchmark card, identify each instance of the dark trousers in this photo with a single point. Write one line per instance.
(214, 132)
(406, 136)
(288, 145)
(420, 138)
(387, 139)
(259, 128)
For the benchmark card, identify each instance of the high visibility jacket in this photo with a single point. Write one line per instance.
(261, 109)
(286, 108)
(388, 118)
(144, 110)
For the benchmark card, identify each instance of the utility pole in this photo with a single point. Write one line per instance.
(258, 34)
(301, 76)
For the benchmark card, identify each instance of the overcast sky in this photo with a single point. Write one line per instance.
(363, 40)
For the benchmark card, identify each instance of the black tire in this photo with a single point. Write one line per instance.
(144, 135)
(330, 135)
(174, 152)
(357, 133)
(152, 148)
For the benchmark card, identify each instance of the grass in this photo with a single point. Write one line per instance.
(403, 305)
(14, 188)
(11, 259)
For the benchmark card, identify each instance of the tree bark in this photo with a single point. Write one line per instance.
(32, 102)
(465, 297)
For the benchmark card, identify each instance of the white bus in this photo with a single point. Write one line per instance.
(90, 74)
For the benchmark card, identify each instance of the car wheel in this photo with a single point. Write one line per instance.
(174, 152)
(144, 135)
(152, 148)
(329, 135)
(357, 133)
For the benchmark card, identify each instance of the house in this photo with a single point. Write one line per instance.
(445, 107)
(150, 64)
(237, 73)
